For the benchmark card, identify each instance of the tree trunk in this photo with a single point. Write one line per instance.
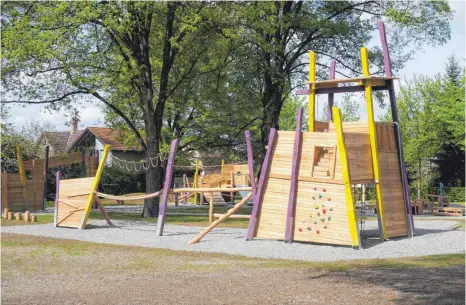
(419, 179)
(272, 102)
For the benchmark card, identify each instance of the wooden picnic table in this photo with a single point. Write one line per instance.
(441, 200)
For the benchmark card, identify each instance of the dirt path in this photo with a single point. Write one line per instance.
(38, 270)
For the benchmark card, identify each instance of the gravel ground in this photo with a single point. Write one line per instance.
(432, 237)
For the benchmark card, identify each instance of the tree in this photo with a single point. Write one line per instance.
(431, 112)
(279, 33)
(131, 56)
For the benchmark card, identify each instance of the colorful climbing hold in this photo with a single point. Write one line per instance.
(315, 189)
(309, 228)
(300, 230)
(318, 213)
(325, 227)
(329, 218)
(310, 215)
(331, 209)
(317, 231)
(324, 190)
(316, 207)
(320, 196)
(324, 211)
(315, 222)
(329, 199)
(313, 197)
(322, 219)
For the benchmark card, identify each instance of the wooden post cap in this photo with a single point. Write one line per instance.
(33, 219)
(10, 215)
(26, 216)
(18, 216)
(5, 213)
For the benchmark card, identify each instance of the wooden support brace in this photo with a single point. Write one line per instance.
(230, 212)
(103, 211)
(262, 180)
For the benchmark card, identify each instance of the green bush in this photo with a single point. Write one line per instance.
(116, 182)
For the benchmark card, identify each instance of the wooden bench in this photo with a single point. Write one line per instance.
(418, 206)
(450, 211)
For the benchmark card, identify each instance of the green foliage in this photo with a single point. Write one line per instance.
(431, 112)
(27, 137)
(289, 111)
(349, 109)
(116, 182)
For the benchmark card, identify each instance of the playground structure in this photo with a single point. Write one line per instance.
(305, 189)
(26, 190)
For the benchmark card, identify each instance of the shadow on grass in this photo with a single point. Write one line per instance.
(417, 285)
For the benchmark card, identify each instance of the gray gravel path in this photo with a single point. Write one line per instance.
(433, 237)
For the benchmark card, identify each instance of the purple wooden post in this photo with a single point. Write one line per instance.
(394, 109)
(260, 187)
(331, 95)
(57, 196)
(250, 162)
(290, 215)
(166, 187)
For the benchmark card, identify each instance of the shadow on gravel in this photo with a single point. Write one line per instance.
(370, 238)
(416, 285)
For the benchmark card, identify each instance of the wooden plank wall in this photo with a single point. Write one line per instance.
(390, 182)
(321, 215)
(72, 201)
(358, 148)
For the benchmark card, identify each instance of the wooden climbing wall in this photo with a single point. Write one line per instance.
(321, 211)
(395, 221)
(72, 200)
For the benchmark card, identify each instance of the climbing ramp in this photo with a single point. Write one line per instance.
(321, 213)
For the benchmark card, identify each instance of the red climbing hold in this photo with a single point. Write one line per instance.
(324, 190)
(325, 227)
(329, 199)
(324, 211)
(317, 231)
(300, 230)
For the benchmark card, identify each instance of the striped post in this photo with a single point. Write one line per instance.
(166, 187)
(262, 180)
(294, 178)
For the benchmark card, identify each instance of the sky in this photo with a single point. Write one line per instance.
(428, 62)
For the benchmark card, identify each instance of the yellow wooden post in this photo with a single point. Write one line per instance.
(350, 207)
(196, 177)
(373, 137)
(221, 172)
(95, 185)
(312, 87)
(22, 175)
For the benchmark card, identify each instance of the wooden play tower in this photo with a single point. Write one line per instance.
(305, 191)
